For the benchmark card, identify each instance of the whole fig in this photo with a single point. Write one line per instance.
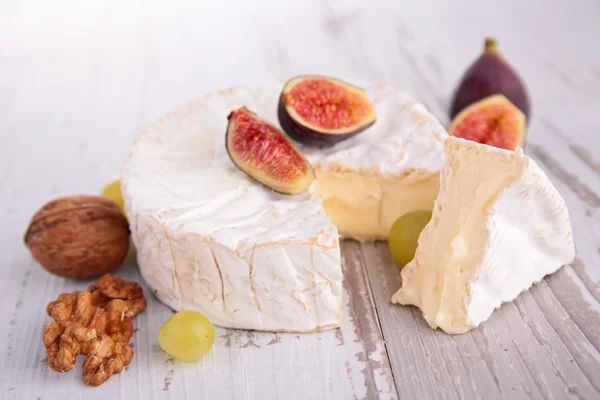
(490, 74)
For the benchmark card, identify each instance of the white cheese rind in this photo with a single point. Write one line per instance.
(406, 140)
(498, 227)
(209, 238)
(274, 287)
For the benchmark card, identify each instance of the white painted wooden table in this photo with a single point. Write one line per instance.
(79, 81)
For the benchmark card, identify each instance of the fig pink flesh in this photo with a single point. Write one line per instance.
(326, 104)
(493, 124)
(263, 148)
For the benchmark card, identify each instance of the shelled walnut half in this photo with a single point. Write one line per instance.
(95, 323)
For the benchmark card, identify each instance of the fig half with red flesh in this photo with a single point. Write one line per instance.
(494, 121)
(264, 153)
(322, 111)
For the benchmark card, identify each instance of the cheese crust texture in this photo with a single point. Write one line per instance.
(210, 238)
(498, 227)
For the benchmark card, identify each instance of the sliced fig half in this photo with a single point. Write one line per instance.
(494, 121)
(263, 152)
(321, 111)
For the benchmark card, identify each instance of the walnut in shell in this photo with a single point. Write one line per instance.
(78, 236)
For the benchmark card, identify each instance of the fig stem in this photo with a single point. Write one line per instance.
(491, 45)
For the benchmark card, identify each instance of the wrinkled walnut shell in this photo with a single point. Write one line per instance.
(78, 236)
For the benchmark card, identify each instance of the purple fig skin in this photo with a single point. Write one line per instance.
(490, 74)
(302, 134)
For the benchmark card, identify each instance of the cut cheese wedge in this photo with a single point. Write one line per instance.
(498, 226)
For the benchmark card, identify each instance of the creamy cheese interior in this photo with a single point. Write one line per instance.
(364, 206)
(498, 226)
(448, 253)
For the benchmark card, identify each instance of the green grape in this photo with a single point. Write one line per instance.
(404, 235)
(187, 335)
(112, 190)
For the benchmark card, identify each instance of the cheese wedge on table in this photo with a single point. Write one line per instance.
(498, 226)
(212, 239)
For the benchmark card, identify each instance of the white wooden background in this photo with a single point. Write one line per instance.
(80, 79)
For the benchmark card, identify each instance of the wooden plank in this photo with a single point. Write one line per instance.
(377, 372)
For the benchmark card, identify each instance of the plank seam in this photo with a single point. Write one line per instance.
(571, 317)
(374, 305)
(575, 149)
(494, 376)
(579, 263)
(539, 388)
(581, 370)
(526, 390)
(576, 186)
(576, 324)
(377, 249)
(417, 320)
